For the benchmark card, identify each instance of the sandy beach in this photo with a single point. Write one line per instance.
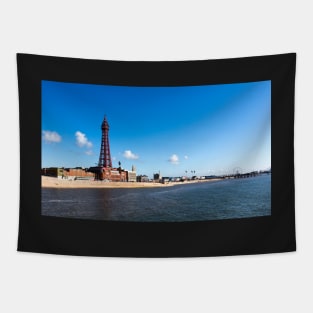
(51, 182)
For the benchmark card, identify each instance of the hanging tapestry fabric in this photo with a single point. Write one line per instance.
(156, 159)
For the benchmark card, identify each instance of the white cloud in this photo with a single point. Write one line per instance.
(186, 157)
(89, 152)
(129, 155)
(51, 136)
(174, 159)
(82, 140)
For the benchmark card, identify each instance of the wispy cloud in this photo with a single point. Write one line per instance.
(82, 140)
(186, 157)
(174, 159)
(89, 152)
(130, 155)
(51, 136)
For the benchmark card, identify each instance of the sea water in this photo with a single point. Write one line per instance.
(224, 199)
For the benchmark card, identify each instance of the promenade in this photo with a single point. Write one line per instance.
(52, 182)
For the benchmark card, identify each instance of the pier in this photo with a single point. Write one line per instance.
(245, 175)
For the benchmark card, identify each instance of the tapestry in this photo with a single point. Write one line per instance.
(156, 158)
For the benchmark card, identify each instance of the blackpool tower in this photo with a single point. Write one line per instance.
(105, 155)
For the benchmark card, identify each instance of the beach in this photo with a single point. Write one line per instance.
(52, 182)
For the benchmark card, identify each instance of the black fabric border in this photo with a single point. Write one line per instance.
(275, 233)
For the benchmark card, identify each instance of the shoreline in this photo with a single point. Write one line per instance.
(52, 182)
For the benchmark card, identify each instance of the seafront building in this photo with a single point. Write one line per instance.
(157, 177)
(77, 173)
(142, 179)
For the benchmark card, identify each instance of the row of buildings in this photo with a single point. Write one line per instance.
(93, 173)
(67, 173)
(111, 174)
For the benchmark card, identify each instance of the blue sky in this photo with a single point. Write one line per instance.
(210, 129)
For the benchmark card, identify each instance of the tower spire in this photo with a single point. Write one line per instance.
(105, 155)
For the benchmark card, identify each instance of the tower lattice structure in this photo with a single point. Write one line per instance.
(105, 155)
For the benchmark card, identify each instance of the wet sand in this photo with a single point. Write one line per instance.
(51, 182)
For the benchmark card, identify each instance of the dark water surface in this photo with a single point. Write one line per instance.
(226, 199)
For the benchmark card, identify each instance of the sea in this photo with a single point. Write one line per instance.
(215, 200)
